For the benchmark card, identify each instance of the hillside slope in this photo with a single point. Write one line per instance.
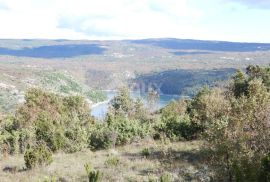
(81, 66)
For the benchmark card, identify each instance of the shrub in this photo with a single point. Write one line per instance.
(45, 131)
(37, 155)
(117, 130)
(76, 139)
(152, 99)
(100, 137)
(59, 122)
(245, 170)
(146, 152)
(126, 121)
(128, 130)
(38, 101)
(26, 137)
(177, 128)
(175, 122)
(69, 139)
(112, 161)
(152, 179)
(207, 107)
(124, 105)
(236, 128)
(265, 169)
(93, 175)
(13, 138)
(166, 177)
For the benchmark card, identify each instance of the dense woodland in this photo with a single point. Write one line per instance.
(232, 122)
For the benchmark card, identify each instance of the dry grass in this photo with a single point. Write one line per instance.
(181, 159)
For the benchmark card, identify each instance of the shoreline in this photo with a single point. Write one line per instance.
(103, 102)
(108, 100)
(99, 103)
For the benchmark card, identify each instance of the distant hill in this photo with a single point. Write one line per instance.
(68, 49)
(189, 44)
(184, 82)
(177, 66)
(54, 51)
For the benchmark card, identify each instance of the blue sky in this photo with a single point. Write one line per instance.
(230, 20)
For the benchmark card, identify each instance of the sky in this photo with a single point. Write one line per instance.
(229, 20)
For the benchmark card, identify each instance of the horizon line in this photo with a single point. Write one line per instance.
(130, 39)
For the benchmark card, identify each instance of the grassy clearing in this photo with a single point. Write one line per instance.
(182, 160)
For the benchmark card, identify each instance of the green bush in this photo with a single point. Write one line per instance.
(175, 122)
(177, 128)
(76, 139)
(126, 121)
(245, 170)
(100, 137)
(152, 179)
(69, 139)
(117, 130)
(146, 152)
(59, 122)
(124, 105)
(37, 155)
(45, 131)
(12, 141)
(112, 161)
(27, 137)
(92, 174)
(166, 177)
(265, 169)
(14, 138)
(235, 126)
(128, 130)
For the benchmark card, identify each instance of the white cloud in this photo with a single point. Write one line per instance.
(24, 19)
(125, 19)
(93, 19)
(262, 4)
(118, 19)
(3, 6)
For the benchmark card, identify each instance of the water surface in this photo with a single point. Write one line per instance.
(99, 111)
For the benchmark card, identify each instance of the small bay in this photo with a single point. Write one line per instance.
(100, 110)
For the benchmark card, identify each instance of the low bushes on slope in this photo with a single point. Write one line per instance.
(60, 122)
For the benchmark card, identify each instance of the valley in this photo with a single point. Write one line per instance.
(134, 91)
(175, 66)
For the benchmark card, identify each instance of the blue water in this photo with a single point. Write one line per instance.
(101, 110)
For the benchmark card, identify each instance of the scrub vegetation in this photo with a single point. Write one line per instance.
(221, 134)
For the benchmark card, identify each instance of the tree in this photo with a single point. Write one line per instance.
(237, 131)
(122, 103)
(239, 86)
(259, 73)
(57, 121)
(152, 99)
